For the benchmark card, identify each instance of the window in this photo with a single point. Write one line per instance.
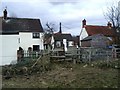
(36, 35)
(36, 47)
(58, 44)
(18, 40)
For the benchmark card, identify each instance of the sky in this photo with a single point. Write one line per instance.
(69, 12)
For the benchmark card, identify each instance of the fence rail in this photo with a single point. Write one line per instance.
(87, 54)
(79, 54)
(25, 55)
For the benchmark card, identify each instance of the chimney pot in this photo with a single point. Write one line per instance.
(83, 23)
(5, 14)
(109, 25)
(60, 31)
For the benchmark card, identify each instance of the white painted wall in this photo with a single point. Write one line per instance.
(8, 47)
(27, 40)
(52, 42)
(83, 34)
(9, 44)
(0, 49)
(65, 44)
(70, 43)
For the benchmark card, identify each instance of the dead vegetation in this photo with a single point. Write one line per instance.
(61, 75)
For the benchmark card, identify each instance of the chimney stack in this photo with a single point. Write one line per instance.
(83, 23)
(5, 14)
(60, 31)
(109, 25)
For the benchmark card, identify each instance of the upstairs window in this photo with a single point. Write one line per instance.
(36, 35)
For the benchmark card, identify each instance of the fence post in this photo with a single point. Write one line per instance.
(74, 60)
(80, 53)
(90, 55)
(107, 57)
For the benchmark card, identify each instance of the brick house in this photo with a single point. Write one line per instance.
(89, 32)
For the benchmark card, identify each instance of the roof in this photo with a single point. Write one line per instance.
(94, 37)
(60, 37)
(105, 30)
(16, 25)
(76, 39)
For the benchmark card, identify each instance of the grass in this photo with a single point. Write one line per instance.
(67, 75)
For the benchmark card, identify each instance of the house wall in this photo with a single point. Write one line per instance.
(9, 44)
(8, 47)
(70, 43)
(83, 34)
(27, 40)
(52, 42)
(0, 49)
(86, 43)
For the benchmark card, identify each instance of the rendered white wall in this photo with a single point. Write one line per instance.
(70, 43)
(9, 46)
(52, 42)
(27, 40)
(83, 34)
(0, 49)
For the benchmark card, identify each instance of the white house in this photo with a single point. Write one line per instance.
(18, 32)
(59, 40)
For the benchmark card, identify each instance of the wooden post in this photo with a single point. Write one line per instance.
(74, 60)
(80, 53)
(90, 55)
(107, 57)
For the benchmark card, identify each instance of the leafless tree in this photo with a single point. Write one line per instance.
(51, 28)
(113, 15)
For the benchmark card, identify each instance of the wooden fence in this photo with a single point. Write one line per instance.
(25, 55)
(74, 54)
(87, 54)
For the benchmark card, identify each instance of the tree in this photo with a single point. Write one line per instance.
(48, 32)
(50, 28)
(113, 15)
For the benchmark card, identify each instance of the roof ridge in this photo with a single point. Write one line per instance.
(96, 25)
(23, 18)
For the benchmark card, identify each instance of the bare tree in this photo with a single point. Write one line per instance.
(113, 15)
(50, 28)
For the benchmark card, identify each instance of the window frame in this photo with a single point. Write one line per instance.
(35, 35)
(36, 47)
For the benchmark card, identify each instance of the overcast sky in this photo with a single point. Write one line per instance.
(69, 12)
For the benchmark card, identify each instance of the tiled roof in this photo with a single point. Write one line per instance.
(60, 37)
(16, 25)
(105, 30)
